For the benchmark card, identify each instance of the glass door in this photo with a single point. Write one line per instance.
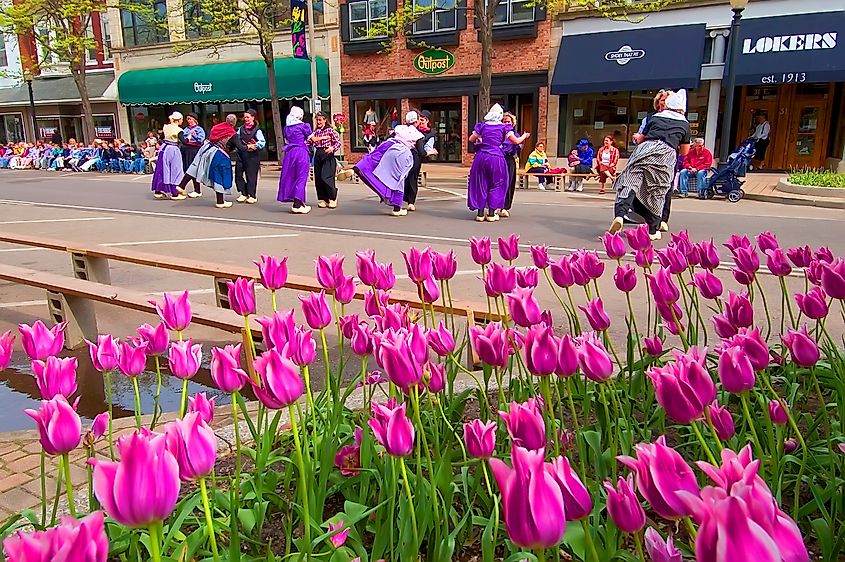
(808, 132)
(446, 124)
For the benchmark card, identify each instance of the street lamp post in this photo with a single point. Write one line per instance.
(738, 6)
(27, 77)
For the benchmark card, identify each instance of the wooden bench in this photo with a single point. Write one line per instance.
(557, 179)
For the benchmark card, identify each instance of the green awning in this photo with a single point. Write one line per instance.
(222, 82)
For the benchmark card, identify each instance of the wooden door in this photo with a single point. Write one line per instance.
(807, 135)
(748, 121)
(525, 124)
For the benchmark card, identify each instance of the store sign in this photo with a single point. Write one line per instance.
(201, 88)
(104, 131)
(624, 55)
(789, 43)
(47, 131)
(434, 61)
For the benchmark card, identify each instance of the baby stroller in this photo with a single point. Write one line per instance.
(726, 181)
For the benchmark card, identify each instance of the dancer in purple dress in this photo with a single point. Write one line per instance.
(297, 162)
(384, 170)
(488, 177)
(169, 172)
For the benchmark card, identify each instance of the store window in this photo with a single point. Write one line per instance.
(4, 59)
(47, 127)
(12, 128)
(104, 127)
(367, 19)
(383, 115)
(146, 25)
(431, 16)
(514, 11)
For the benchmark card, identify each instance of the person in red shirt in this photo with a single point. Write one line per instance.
(698, 161)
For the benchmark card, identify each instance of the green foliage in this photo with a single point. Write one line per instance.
(817, 178)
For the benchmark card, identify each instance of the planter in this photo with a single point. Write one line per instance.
(814, 191)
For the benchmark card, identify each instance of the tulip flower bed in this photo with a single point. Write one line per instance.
(567, 445)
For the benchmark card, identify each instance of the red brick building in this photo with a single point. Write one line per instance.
(442, 76)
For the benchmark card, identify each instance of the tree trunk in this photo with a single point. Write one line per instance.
(484, 10)
(267, 53)
(78, 73)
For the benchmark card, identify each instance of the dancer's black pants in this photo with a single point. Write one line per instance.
(412, 181)
(325, 169)
(511, 161)
(246, 173)
(631, 203)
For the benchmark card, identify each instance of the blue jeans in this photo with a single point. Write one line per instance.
(700, 181)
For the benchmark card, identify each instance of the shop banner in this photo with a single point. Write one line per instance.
(297, 28)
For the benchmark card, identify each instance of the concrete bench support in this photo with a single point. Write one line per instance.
(221, 292)
(90, 268)
(79, 314)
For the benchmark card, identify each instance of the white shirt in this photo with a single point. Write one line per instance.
(762, 131)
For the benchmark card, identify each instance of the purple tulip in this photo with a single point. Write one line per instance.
(638, 238)
(434, 377)
(193, 444)
(824, 254)
(777, 412)
(813, 305)
(596, 316)
(393, 317)
(361, 340)
(525, 424)
(301, 349)
(348, 457)
(345, 291)
(803, 348)
(527, 277)
(174, 311)
(753, 345)
(736, 241)
(524, 308)
(814, 272)
(445, 266)
(480, 250)
(429, 291)
(84, 540)
(561, 272)
(800, 257)
(385, 279)
(501, 279)
(375, 303)
(590, 264)
(671, 315)
(127, 489)
(7, 343)
(100, 426)
(540, 349)
(723, 327)
(654, 346)
(710, 259)
(614, 245)
(661, 473)
(316, 310)
(59, 426)
(280, 383)
(735, 370)
(242, 296)
(663, 288)
(397, 358)
(184, 359)
(440, 340)
(55, 376)
(577, 502)
(644, 258)
(157, 338)
(625, 278)
(739, 311)
(105, 353)
(392, 429)
(540, 256)
(202, 405)
(683, 388)
(593, 358)
(329, 271)
(767, 241)
(833, 279)
(722, 421)
(673, 259)
(790, 446)
(366, 267)
(567, 357)
(743, 277)
(532, 503)
(419, 264)
(623, 505)
(39, 343)
(347, 324)
(480, 438)
(490, 343)
(338, 538)
(226, 369)
(132, 359)
(777, 263)
(509, 247)
(660, 550)
(273, 272)
(709, 286)
(277, 330)
(747, 260)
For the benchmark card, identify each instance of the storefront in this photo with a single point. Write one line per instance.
(212, 91)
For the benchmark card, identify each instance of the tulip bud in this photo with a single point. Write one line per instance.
(800, 257)
(833, 279)
(777, 263)
(396, 356)
(193, 444)
(654, 346)
(242, 296)
(683, 387)
(156, 339)
(273, 272)
(561, 272)
(500, 280)
(673, 259)
(7, 342)
(375, 303)
(767, 241)
(735, 370)
(813, 305)
(385, 279)
(590, 264)
(644, 258)
(710, 259)
(738, 310)
(567, 357)
(777, 412)
(624, 507)
(576, 498)
(435, 375)
(490, 343)
(480, 438)
(280, 382)
(803, 348)
(429, 291)
(540, 256)
(736, 241)
(824, 254)
(663, 288)
(722, 421)
(527, 277)
(55, 376)
(509, 247)
(132, 359)
(524, 308)
(445, 265)
(440, 340)
(105, 353)
(338, 538)
(329, 271)
(39, 343)
(708, 285)
(625, 278)
(593, 358)
(596, 316)
(638, 238)
(747, 260)
(226, 369)
(525, 424)
(316, 310)
(366, 267)
(660, 550)
(184, 359)
(277, 330)
(541, 347)
(100, 425)
(614, 245)
(301, 349)
(201, 404)
(392, 429)
(174, 311)
(345, 291)
(419, 264)
(790, 446)
(59, 426)
(362, 340)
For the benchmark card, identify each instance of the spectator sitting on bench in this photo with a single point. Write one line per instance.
(538, 162)
(697, 162)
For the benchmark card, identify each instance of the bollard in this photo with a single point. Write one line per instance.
(79, 314)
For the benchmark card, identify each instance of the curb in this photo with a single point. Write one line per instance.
(821, 202)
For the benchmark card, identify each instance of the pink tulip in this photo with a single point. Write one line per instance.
(723, 327)
(710, 259)
(366, 267)
(362, 340)
(638, 238)
(524, 308)
(654, 346)
(226, 369)
(273, 272)
(527, 277)
(661, 472)
(824, 254)
(345, 291)
(576, 498)
(429, 291)
(84, 540)
(100, 425)
(392, 429)
(500, 280)
(348, 457)
(316, 310)
(593, 358)
(814, 272)
(184, 359)
(738, 310)
(596, 316)
(777, 263)
(347, 324)
(833, 279)
(242, 296)
(277, 330)
(663, 288)
(540, 349)
(803, 348)
(736, 241)
(767, 241)
(590, 264)
(644, 258)
(561, 272)
(532, 502)
(55, 376)
(132, 359)
(143, 487)
(434, 375)
(625, 278)
(59, 426)
(193, 444)
(39, 343)
(722, 421)
(393, 317)
(673, 259)
(525, 424)
(280, 382)
(683, 388)
(777, 412)
(419, 264)
(338, 538)
(509, 247)
(540, 256)
(753, 345)
(480, 438)
(491, 344)
(614, 245)
(385, 279)
(440, 340)
(156, 338)
(445, 266)
(329, 271)
(660, 550)
(301, 349)
(747, 260)
(174, 311)
(735, 370)
(800, 257)
(374, 303)
(623, 506)
(681, 241)
(709, 286)
(743, 277)
(397, 358)
(567, 357)
(201, 404)
(7, 343)
(813, 304)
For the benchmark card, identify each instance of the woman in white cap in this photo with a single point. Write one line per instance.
(168, 171)
(384, 170)
(643, 184)
(488, 177)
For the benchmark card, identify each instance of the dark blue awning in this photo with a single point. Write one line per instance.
(792, 49)
(636, 59)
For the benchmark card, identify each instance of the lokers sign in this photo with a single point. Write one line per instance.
(434, 61)
(624, 55)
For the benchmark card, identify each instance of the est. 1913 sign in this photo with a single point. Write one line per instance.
(434, 61)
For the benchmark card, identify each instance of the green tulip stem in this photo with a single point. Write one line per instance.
(273, 299)
(303, 481)
(237, 438)
(573, 309)
(540, 553)
(179, 335)
(111, 414)
(155, 543)
(309, 397)
(588, 538)
(692, 532)
(713, 429)
(325, 345)
(606, 430)
(451, 307)
(157, 394)
(452, 429)
(137, 402)
(634, 324)
(415, 401)
(183, 404)
(549, 415)
(64, 464)
(248, 332)
(704, 445)
(411, 507)
(765, 307)
(43, 488)
(743, 397)
(208, 520)
(638, 540)
(681, 333)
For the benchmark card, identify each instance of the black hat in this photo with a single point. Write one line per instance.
(425, 113)
(194, 115)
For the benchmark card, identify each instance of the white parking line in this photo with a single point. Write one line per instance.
(21, 304)
(81, 219)
(176, 241)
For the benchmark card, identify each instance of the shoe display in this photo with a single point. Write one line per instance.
(333, 204)
(322, 204)
(616, 225)
(223, 205)
(251, 200)
(241, 198)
